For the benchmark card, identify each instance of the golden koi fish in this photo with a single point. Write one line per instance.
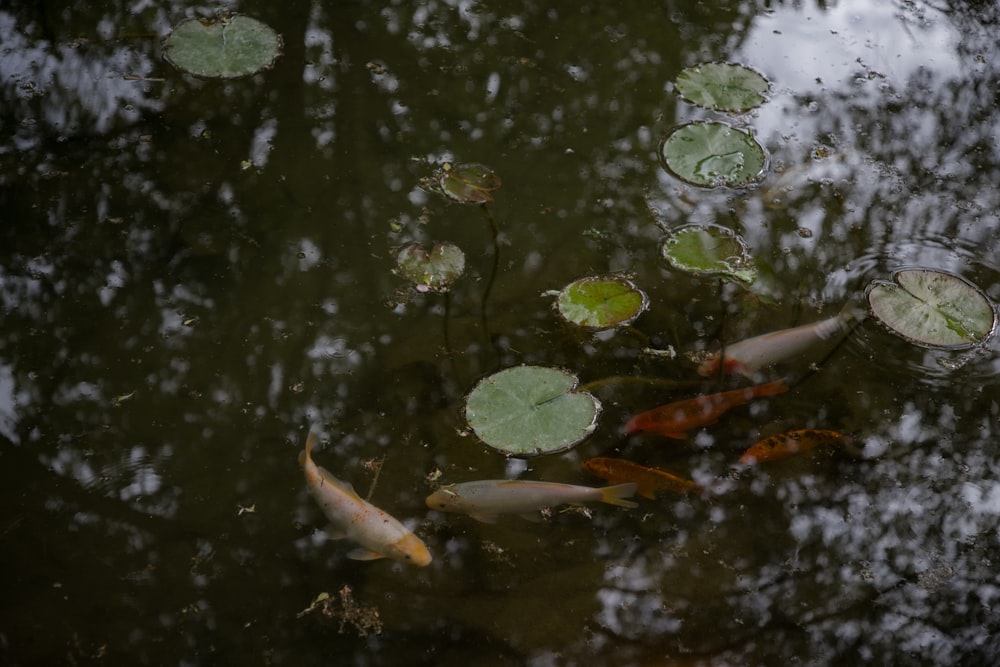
(486, 499)
(749, 356)
(673, 419)
(792, 443)
(379, 534)
(649, 480)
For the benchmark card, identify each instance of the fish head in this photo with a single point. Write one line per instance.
(445, 500)
(409, 549)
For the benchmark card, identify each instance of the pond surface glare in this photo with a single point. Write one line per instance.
(194, 272)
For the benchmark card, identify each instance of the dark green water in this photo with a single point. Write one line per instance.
(193, 272)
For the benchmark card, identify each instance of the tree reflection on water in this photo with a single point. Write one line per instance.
(193, 272)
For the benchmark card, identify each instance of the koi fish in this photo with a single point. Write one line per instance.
(749, 356)
(486, 499)
(649, 480)
(673, 419)
(791, 443)
(379, 534)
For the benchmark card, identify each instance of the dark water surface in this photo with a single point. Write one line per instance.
(193, 272)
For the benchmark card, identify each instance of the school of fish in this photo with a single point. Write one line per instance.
(380, 535)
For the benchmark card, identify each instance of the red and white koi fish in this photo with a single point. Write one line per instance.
(749, 356)
(486, 499)
(673, 419)
(379, 534)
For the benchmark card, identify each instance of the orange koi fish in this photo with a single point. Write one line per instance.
(791, 443)
(673, 419)
(749, 356)
(379, 534)
(649, 480)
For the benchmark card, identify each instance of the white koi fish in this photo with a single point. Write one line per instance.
(749, 356)
(379, 534)
(486, 499)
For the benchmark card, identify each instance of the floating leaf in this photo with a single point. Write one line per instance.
(434, 271)
(709, 249)
(466, 183)
(722, 87)
(531, 410)
(227, 47)
(710, 154)
(601, 302)
(932, 308)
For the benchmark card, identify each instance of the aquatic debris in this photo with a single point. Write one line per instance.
(365, 620)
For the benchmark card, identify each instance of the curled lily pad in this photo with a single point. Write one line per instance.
(709, 249)
(711, 154)
(466, 183)
(432, 271)
(601, 302)
(531, 410)
(722, 87)
(226, 47)
(932, 308)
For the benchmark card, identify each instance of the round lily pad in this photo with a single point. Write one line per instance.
(722, 87)
(601, 302)
(712, 154)
(432, 271)
(531, 410)
(227, 47)
(709, 249)
(932, 308)
(466, 183)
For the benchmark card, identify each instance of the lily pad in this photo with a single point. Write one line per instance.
(709, 249)
(227, 47)
(712, 154)
(466, 183)
(433, 271)
(601, 302)
(531, 410)
(722, 87)
(932, 308)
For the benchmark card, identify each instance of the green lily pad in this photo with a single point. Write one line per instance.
(432, 271)
(466, 183)
(722, 87)
(531, 410)
(709, 249)
(711, 154)
(601, 302)
(227, 47)
(932, 308)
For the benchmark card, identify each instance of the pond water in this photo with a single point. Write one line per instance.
(196, 272)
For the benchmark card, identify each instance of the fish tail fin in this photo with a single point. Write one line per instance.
(306, 453)
(852, 313)
(617, 494)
